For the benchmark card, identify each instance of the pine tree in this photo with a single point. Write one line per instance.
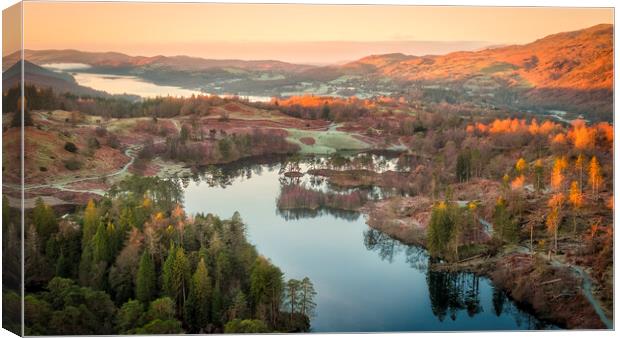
(292, 293)
(44, 220)
(505, 228)
(167, 276)
(198, 305)
(439, 229)
(306, 301)
(101, 245)
(146, 280)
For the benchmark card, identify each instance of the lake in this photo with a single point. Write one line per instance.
(366, 281)
(133, 85)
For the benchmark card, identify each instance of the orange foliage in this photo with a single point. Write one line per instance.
(518, 182)
(557, 174)
(514, 126)
(607, 131)
(559, 139)
(521, 165)
(319, 101)
(554, 218)
(575, 197)
(582, 136)
(596, 178)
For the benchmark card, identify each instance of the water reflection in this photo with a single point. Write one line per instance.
(366, 280)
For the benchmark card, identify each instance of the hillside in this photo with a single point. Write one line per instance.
(580, 59)
(33, 74)
(112, 60)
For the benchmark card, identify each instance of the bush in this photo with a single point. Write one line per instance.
(93, 143)
(71, 147)
(245, 326)
(73, 164)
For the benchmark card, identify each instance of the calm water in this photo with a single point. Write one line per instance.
(365, 280)
(125, 84)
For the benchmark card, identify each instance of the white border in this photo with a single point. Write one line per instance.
(508, 3)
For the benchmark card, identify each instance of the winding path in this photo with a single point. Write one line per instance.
(62, 185)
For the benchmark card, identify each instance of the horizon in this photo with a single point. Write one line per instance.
(469, 46)
(299, 33)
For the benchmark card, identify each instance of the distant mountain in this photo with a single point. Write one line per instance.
(112, 60)
(570, 71)
(33, 74)
(582, 60)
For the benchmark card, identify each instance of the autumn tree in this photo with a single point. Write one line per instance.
(575, 197)
(539, 172)
(557, 174)
(579, 166)
(554, 218)
(90, 222)
(521, 166)
(595, 176)
(123, 272)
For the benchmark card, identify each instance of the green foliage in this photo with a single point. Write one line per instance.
(266, 287)
(463, 166)
(129, 316)
(246, 326)
(197, 308)
(71, 147)
(440, 229)
(76, 310)
(158, 326)
(121, 252)
(90, 222)
(504, 226)
(44, 219)
(146, 280)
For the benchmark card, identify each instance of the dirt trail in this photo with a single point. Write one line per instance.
(586, 288)
(62, 185)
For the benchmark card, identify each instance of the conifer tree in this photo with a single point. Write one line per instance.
(198, 303)
(146, 280)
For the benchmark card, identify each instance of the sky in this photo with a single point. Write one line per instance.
(294, 33)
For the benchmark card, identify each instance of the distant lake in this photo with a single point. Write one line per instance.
(127, 84)
(366, 281)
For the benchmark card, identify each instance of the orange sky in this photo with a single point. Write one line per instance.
(299, 33)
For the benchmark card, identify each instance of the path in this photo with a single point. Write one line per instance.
(62, 185)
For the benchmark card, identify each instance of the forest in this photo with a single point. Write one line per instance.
(145, 267)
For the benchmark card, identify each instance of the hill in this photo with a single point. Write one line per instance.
(41, 77)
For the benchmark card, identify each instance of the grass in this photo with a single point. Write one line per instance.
(326, 142)
(498, 67)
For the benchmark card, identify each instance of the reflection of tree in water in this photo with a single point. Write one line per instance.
(301, 213)
(225, 174)
(451, 292)
(388, 247)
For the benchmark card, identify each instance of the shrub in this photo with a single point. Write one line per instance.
(71, 147)
(73, 164)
